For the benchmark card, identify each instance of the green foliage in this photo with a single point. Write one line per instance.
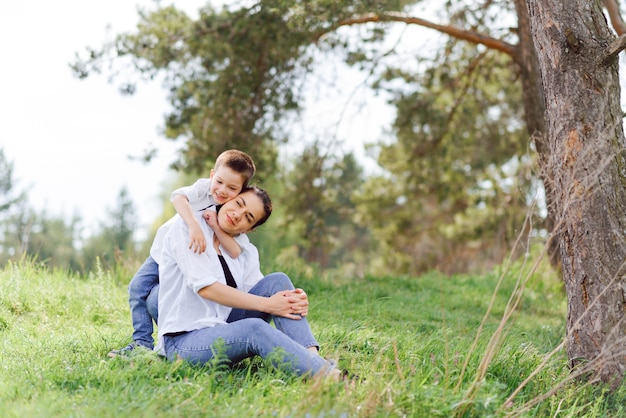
(14, 216)
(51, 240)
(456, 185)
(319, 210)
(115, 237)
(9, 195)
(123, 221)
(460, 163)
(408, 337)
(232, 74)
(229, 74)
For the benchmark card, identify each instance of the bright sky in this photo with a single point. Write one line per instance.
(70, 139)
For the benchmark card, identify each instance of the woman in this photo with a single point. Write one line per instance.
(195, 314)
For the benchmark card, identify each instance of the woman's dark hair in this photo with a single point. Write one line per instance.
(267, 203)
(265, 198)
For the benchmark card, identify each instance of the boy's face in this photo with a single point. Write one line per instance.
(241, 214)
(225, 184)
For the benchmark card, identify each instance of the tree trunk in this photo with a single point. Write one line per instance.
(587, 169)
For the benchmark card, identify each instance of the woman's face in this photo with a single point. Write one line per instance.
(240, 214)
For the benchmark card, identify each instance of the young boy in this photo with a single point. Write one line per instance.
(232, 172)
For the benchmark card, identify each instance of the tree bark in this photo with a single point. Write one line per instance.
(587, 169)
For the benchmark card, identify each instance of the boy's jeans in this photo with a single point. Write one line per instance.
(249, 333)
(141, 311)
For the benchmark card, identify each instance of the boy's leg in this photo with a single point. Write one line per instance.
(297, 329)
(152, 303)
(138, 291)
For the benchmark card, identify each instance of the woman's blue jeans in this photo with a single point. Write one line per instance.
(248, 333)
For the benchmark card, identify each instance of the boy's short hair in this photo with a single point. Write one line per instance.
(239, 162)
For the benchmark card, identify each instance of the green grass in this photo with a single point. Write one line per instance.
(413, 340)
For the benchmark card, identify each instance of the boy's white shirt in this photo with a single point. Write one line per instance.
(199, 197)
(182, 273)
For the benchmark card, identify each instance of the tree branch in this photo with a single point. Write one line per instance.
(614, 49)
(612, 8)
(455, 32)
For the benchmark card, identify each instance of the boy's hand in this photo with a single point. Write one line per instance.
(226, 241)
(210, 216)
(197, 242)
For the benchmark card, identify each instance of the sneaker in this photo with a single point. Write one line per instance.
(124, 351)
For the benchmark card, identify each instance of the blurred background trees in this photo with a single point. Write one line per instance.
(115, 238)
(456, 170)
(30, 232)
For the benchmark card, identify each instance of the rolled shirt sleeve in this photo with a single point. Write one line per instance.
(198, 194)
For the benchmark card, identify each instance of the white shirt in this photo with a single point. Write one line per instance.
(199, 197)
(182, 273)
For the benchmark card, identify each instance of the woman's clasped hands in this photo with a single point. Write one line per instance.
(292, 304)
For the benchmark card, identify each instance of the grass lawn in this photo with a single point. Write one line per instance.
(421, 344)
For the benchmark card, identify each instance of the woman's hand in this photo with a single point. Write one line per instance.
(301, 308)
(292, 304)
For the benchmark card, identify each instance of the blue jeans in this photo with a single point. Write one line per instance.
(248, 333)
(143, 302)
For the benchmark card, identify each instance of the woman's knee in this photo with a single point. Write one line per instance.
(280, 280)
